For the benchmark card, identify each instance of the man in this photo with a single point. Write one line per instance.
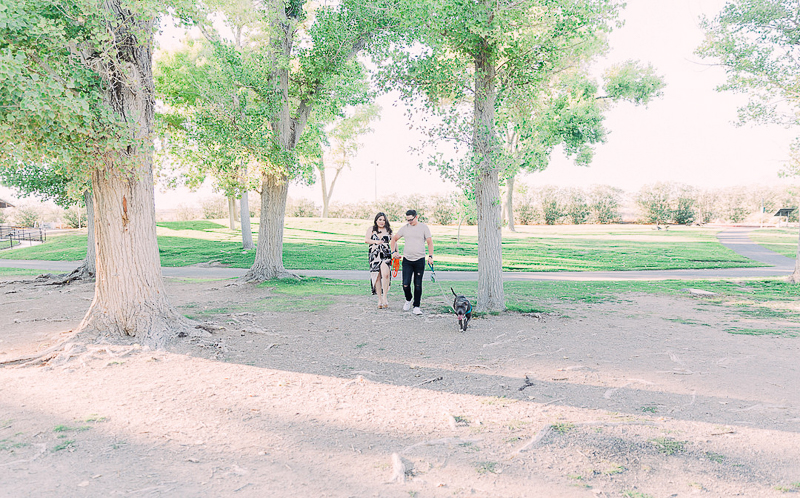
(416, 234)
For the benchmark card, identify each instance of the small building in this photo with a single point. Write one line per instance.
(5, 204)
(784, 213)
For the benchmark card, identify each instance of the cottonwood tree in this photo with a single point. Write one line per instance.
(76, 89)
(291, 61)
(470, 60)
(757, 43)
(49, 182)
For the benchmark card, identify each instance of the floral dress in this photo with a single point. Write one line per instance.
(379, 253)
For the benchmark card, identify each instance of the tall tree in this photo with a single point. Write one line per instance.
(76, 83)
(757, 42)
(473, 58)
(251, 102)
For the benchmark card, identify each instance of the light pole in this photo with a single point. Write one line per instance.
(375, 164)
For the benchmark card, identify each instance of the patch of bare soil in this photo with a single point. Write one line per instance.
(301, 397)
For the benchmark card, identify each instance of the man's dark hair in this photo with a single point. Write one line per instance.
(411, 212)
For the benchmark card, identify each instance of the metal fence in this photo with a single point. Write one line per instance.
(16, 235)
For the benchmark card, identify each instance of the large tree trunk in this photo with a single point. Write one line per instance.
(795, 277)
(232, 212)
(268, 263)
(510, 203)
(247, 232)
(487, 187)
(130, 299)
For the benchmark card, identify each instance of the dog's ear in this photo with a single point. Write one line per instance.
(454, 292)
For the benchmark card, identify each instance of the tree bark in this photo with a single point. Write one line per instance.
(130, 298)
(268, 262)
(232, 212)
(247, 232)
(325, 197)
(794, 278)
(510, 203)
(487, 186)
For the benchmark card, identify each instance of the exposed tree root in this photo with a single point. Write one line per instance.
(80, 273)
(40, 356)
(261, 274)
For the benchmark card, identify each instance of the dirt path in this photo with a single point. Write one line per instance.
(313, 397)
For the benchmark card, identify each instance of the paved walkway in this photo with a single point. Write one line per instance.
(736, 239)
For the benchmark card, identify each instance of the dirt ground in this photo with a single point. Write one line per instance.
(641, 397)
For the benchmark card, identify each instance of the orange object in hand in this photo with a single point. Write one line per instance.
(395, 266)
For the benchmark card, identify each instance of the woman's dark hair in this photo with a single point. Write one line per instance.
(375, 223)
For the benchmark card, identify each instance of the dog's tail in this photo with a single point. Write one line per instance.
(454, 292)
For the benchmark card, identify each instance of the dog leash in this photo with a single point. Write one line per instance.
(395, 267)
(433, 279)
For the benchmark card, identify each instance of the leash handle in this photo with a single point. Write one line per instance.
(395, 266)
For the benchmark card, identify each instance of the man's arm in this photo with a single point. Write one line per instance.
(393, 243)
(430, 248)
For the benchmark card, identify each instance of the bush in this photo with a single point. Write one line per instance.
(577, 208)
(654, 201)
(706, 205)
(443, 210)
(604, 204)
(553, 208)
(394, 208)
(734, 205)
(186, 213)
(27, 216)
(214, 208)
(3, 217)
(683, 210)
(75, 217)
(302, 208)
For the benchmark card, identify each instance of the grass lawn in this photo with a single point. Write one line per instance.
(781, 240)
(335, 244)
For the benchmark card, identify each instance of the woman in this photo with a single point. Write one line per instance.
(380, 257)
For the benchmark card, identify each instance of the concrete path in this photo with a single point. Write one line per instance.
(736, 239)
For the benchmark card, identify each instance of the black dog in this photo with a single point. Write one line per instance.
(463, 309)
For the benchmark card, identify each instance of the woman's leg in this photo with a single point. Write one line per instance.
(376, 283)
(385, 279)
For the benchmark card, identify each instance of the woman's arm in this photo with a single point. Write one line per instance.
(368, 238)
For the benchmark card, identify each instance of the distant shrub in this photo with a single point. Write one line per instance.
(186, 213)
(683, 210)
(214, 208)
(577, 207)
(27, 216)
(3, 217)
(553, 208)
(604, 202)
(75, 217)
(302, 208)
(654, 202)
(444, 212)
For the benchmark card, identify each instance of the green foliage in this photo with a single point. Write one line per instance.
(667, 203)
(668, 446)
(756, 42)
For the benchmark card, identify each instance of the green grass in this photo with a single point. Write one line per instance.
(668, 446)
(781, 240)
(10, 272)
(338, 245)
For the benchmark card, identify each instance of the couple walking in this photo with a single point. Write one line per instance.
(383, 248)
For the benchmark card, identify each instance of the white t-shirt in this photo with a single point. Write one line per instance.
(414, 243)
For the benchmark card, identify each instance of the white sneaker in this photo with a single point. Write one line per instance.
(417, 311)
(407, 306)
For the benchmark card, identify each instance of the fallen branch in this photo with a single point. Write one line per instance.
(446, 440)
(535, 440)
(428, 381)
